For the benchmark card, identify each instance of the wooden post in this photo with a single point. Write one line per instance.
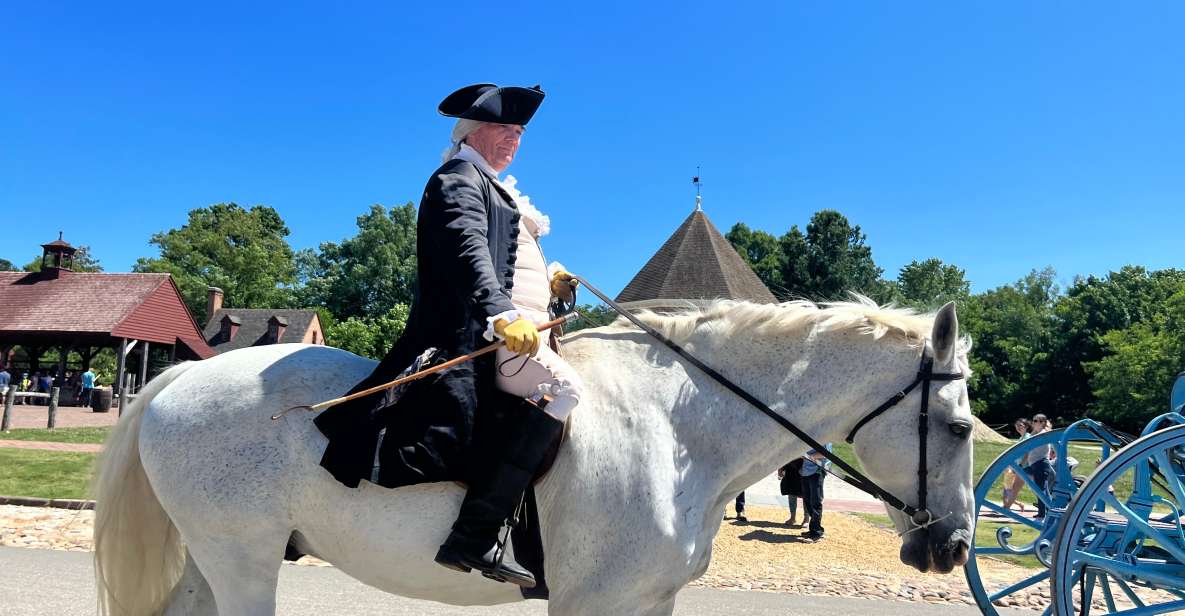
(121, 364)
(143, 365)
(6, 420)
(63, 354)
(53, 407)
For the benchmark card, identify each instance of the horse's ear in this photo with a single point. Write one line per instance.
(945, 336)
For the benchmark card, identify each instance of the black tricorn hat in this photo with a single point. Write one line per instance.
(486, 102)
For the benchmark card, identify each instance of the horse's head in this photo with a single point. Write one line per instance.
(944, 544)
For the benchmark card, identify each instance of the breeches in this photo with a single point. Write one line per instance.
(545, 374)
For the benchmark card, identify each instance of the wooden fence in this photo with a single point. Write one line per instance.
(12, 394)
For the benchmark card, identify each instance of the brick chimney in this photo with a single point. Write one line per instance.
(275, 328)
(213, 301)
(230, 327)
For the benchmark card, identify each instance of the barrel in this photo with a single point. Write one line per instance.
(101, 400)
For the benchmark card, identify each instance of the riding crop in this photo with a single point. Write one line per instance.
(571, 316)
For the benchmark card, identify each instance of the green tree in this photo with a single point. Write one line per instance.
(591, 316)
(838, 260)
(825, 263)
(1012, 329)
(761, 251)
(367, 274)
(1131, 383)
(84, 261)
(368, 336)
(929, 284)
(243, 252)
(7, 266)
(1091, 311)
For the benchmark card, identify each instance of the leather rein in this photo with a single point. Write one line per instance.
(919, 515)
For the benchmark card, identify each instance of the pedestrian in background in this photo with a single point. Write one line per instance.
(22, 385)
(791, 487)
(88, 387)
(1013, 483)
(1037, 463)
(814, 469)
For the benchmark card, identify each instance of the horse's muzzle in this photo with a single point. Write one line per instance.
(935, 550)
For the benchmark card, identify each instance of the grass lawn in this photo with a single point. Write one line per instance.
(57, 435)
(45, 474)
(985, 454)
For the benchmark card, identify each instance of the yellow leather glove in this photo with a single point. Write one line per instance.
(562, 284)
(521, 335)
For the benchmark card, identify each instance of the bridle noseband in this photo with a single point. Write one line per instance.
(920, 515)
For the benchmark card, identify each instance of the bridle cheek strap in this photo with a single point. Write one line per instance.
(921, 516)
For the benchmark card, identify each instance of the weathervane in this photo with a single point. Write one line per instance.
(698, 185)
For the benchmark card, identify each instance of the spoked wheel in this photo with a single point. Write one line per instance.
(1009, 561)
(1128, 557)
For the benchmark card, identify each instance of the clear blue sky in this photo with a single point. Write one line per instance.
(998, 136)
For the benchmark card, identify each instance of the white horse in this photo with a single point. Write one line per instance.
(199, 490)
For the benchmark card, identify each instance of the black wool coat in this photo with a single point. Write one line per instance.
(467, 234)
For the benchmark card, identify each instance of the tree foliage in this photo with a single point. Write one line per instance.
(7, 266)
(1092, 309)
(927, 285)
(368, 336)
(1011, 328)
(825, 263)
(762, 252)
(243, 252)
(1131, 383)
(84, 261)
(367, 274)
(591, 316)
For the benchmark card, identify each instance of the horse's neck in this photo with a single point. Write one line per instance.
(822, 383)
(649, 416)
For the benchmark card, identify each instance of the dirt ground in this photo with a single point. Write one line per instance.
(856, 559)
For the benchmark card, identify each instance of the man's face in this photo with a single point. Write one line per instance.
(497, 143)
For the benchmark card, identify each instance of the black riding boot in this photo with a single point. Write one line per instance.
(493, 497)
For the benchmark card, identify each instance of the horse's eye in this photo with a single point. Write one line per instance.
(960, 429)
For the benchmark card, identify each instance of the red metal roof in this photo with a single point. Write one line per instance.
(140, 306)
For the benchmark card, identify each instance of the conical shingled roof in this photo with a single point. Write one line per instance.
(695, 264)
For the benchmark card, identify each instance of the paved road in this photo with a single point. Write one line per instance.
(46, 582)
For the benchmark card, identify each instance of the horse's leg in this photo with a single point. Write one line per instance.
(192, 595)
(242, 571)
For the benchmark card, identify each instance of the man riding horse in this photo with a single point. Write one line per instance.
(481, 275)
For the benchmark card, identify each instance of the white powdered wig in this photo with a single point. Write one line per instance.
(460, 130)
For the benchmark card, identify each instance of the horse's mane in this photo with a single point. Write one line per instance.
(861, 315)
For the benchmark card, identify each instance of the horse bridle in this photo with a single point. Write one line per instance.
(919, 515)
